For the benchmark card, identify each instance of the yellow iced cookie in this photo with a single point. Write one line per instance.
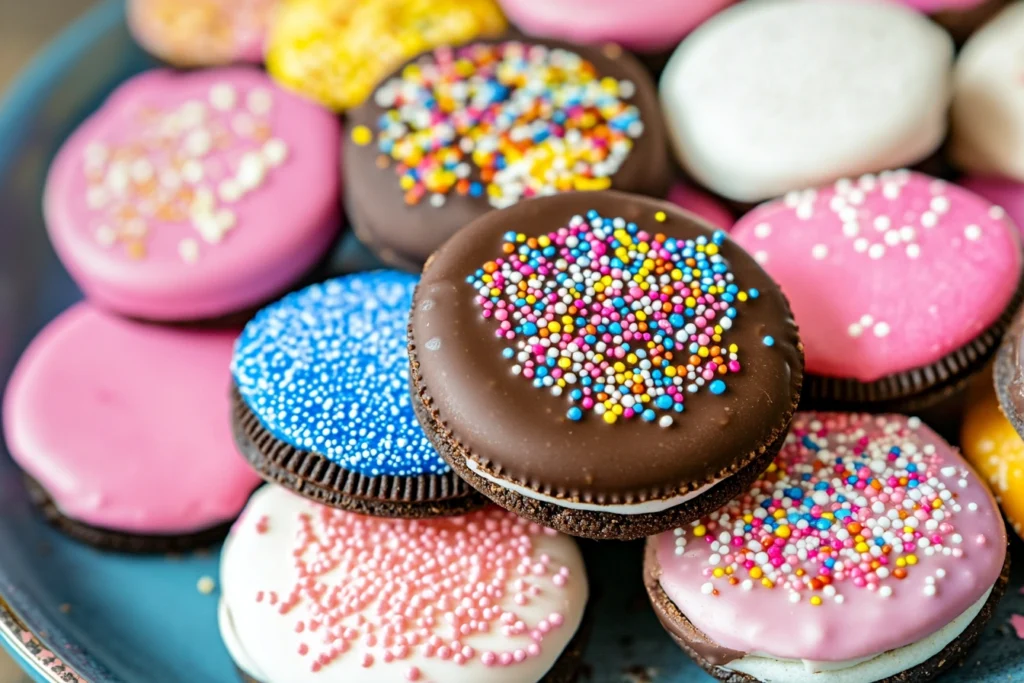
(993, 447)
(336, 51)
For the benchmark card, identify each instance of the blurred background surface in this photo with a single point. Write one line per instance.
(25, 26)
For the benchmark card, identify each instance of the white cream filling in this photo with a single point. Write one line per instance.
(624, 509)
(864, 670)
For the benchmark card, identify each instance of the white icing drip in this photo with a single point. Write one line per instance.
(865, 670)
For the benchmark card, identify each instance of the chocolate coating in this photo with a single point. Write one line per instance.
(517, 432)
(404, 236)
(713, 657)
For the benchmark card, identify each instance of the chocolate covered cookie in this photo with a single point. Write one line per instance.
(869, 551)
(455, 133)
(602, 363)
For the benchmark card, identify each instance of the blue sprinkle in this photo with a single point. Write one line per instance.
(769, 340)
(575, 414)
(664, 402)
(322, 342)
(717, 387)
(508, 353)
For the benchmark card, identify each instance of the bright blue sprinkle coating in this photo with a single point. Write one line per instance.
(769, 340)
(326, 369)
(717, 387)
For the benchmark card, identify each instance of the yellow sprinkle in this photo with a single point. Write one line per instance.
(756, 573)
(711, 249)
(861, 547)
(733, 348)
(610, 417)
(782, 531)
(718, 572)
(911, 559)
(564, 363)
(699, 530)
(362, 136)
(815, 600)
(779, 514)
(742, 296)
(767, 583)
(900, 562)
(660, 216)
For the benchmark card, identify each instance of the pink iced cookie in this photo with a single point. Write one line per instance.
(868, 535)
(194, 195)
(702, 204)
(124, 424)
(651, 27)
(201, 32)
(886, 273)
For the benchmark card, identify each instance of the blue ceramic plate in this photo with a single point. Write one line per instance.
(71, 613)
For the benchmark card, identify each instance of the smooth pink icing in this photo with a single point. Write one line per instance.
(281, 228)
(1009, 194)
(764, 620)
(648, 26)
(882, 293)
(702, 204)
(126, 424)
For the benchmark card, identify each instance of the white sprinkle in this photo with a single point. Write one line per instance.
(948, 471)
(930, 590)
(707, 589)
(996, 212)
(664, 421)
(876, 251)
(972, 232)
(855, 330)
(761, 256)
(259, 101)
(881, 329)
(860, 245)
(188, 250)
(882, 223)
(205, 585)
(819, 251)
(275, 151)
(939, 205)
(885, 591)
(762, 230)
(913, 251)
(223, 96)
(106, 236)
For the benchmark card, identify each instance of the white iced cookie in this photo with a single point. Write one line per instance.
(317, 595)
(779, 95)
(988, 98)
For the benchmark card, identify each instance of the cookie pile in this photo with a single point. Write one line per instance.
(724, 276)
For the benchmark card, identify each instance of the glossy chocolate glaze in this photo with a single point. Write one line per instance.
(404, 235)
(517, 432)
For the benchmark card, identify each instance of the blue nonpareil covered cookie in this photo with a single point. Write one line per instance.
(322, 403)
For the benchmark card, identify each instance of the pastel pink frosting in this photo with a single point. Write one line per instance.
(191, 195)
(701, 203)
(647, 26)
(126, 424)
(968, 547)
(885, 273)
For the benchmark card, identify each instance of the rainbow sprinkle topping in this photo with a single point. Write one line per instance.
(509, 121)
(626, 322)
(851, 501)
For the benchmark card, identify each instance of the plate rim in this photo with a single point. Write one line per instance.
(34, 82)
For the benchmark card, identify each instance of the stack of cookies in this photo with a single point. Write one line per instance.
(738, 314)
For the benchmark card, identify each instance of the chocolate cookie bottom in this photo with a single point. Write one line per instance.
(122, 541)
(317, 478)
(586, 523)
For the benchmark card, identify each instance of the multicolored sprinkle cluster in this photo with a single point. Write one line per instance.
(509, 121)
(626, 322)
(851, 501)
(430, 587)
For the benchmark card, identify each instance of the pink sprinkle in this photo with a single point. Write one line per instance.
(1017, 621)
